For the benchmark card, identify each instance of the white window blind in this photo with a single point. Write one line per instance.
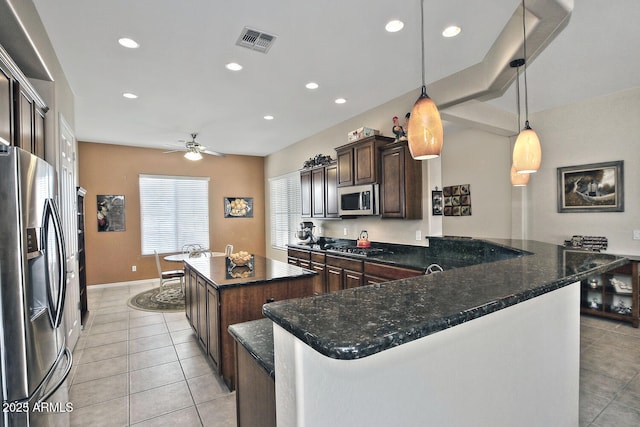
(174, 212)
(285, 208)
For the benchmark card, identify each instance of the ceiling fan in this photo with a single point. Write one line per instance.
(194, 149)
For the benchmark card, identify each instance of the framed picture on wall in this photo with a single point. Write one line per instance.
(110, 213)
(238, 207)
(436, 202)
(595, 187)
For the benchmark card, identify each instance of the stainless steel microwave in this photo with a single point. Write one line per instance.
(358, 200)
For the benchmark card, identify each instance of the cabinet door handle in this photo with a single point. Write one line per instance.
(315, 267)
(395, 154)
(351, 276)
(334, 272)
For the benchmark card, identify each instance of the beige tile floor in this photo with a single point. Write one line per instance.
(136, 368)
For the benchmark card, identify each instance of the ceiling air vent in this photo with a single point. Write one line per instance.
(255, 40)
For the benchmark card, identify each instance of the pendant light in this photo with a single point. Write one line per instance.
(527, 153)
(518, 179)
(425, 126)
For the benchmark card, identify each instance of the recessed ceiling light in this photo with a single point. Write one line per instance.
(311, 85)
(234, 66)
(340, 101)
(127, 42)
(394, 26)
(268, 117)
(451, 31)
(130, 95)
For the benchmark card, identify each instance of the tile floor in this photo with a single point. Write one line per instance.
(136, 368)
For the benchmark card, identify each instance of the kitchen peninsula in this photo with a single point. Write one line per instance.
(219, 294)
(495, 343)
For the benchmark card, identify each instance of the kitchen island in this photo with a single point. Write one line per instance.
(495, 343)
(219, 294)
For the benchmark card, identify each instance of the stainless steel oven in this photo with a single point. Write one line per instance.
(358, 200)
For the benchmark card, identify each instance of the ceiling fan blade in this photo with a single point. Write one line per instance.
(172, 151)
(212, 153)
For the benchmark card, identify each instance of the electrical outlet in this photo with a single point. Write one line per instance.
(636, 234)
(133, 268)
(418, 235)
(345, 231)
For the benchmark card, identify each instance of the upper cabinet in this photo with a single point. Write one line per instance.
(401, 185)
(6, 106)
(358, 162)
(319, 192)
(22, 111)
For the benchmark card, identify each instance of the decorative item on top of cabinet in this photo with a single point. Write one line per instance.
(401, 186)
(358, 162)
(613, 294)
(319, 192)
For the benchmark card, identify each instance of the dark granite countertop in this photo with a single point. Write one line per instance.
(221, 274)
(359, 322)
(257, 337)
(450, 252)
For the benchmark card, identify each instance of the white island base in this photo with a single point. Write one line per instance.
(516, 367)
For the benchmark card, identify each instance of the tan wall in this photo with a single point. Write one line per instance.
(114, 169)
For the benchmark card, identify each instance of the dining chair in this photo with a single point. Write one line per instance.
(169, 275)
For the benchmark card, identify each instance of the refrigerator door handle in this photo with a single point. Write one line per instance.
(48, 393)
(58, 305)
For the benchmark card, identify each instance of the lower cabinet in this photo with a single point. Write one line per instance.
(212, 309)
(213, 326)
(337, 272)
(613, 295)
(255, 392)
(343, 273)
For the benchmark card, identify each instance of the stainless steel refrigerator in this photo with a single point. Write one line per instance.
(34, 358)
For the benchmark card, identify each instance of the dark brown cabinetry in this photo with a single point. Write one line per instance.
(358, 162)
(613, 294)
(319, 192)
(255, 392)
(82, 271)
(6, 107)
(401, 183)
(338, 272)
(212, 309)
(22, 111)
(375, 273)
(213, 326)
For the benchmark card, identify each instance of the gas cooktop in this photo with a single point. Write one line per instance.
(354, 250)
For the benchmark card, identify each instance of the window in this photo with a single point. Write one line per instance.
(174, 212)
(285, 208)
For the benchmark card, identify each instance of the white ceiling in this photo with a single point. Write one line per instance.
(183, 87)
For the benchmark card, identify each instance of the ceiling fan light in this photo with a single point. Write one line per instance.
(193, 155)
(425, 129)
(527, 154)
(519, 179)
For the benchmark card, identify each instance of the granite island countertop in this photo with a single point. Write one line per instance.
(222, 274)
(257, 337)
(355, 323)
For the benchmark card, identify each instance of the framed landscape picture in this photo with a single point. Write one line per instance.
(595, 187)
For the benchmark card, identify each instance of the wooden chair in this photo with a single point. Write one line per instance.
(170, 275)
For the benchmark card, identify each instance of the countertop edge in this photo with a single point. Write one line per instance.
(428, 327)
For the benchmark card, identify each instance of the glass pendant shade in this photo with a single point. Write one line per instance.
(519, 179)
(527, 153)
(425, 129)
(193, 155)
